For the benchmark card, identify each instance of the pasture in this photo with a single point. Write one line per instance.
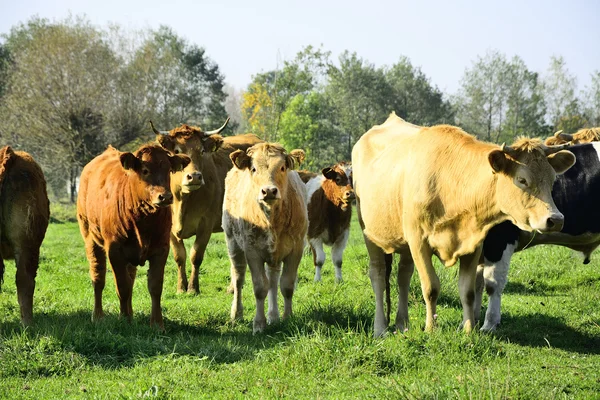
(548, 345)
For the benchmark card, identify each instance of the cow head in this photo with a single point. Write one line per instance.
(149, 169)
(338, 184)
(526, 172)
(267, 166)
(194, 143)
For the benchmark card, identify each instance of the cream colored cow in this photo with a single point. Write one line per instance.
(425, 191)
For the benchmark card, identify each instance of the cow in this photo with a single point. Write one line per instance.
(330, 198)
(123, 213)
(198, 191)
(437, 190)
(575, 194)
(307, 175)
(265, 221)
(24, 215)
(585, 135)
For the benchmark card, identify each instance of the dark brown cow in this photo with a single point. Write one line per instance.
(329, 213)
(123, 212)
(24, 214)
(198, 191)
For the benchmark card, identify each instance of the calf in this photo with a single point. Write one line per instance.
(24, 214)
(575, 193)
(585, 135)
(123, 213)
(265, 221)
(329, 213)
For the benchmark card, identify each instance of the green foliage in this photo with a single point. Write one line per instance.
(548, 344)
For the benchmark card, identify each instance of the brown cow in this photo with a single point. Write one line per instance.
(123, 213)
(307, 175)
(585, 135)
(198, 191)
(425, 191)
(329, 212)
(24, 214)
(265, 221)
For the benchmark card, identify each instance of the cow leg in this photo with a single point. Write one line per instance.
(132, 271)
(196, 257)
(467, 276)
(288, 280)
(430, 283)
(238, 276)
(316, 246)
(179, 254)
(260, 284)
(337, 250)
(97, 259)
(406, 268)
(122, 281)
(495, 276)
(274, 273)
(156, 274)
(26, 261)
(377, 275)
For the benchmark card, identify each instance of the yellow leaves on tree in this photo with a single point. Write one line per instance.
(258, 110)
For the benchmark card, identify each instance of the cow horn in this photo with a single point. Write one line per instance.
(157, 131)
(217, 131)
(564, 136)
(557, 133)
(553, 149)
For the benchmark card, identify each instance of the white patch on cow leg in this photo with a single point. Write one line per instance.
(406, 268)
(495, 276)
(319, 256)
(337, 251)
(274, 273)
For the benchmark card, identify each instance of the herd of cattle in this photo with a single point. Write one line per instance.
(419, 191)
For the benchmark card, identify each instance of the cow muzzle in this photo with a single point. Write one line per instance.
(553, 223)
(191, 181)
(269, 194)
(349, 195)
(164, 199)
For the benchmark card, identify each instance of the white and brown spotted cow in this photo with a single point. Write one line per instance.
(330, 198)
(265, 222)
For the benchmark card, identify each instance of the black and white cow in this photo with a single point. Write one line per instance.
(576, 194)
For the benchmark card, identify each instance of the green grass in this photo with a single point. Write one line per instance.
(547, 347)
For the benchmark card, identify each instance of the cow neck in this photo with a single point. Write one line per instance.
(462, 228)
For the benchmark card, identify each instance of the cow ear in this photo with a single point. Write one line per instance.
(179, 162)
(498, 161)
(295, 158)
(166, 142)
(212, 143)
(561, 161)
(240, 159)
(328, 173)
(129, 161)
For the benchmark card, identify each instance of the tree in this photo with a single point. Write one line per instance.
(559, 91)
(56, 93)
(592, 100)
(414, 99)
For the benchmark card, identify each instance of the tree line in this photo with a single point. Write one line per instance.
(68, 89)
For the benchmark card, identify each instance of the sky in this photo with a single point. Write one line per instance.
(443, 38)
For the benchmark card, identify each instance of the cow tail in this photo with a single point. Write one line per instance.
(388, 271)
(1, 272)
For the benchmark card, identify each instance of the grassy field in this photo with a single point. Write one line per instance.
(547, 347)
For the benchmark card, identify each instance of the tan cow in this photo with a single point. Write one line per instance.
(438, 190)
(24, 214)
(585, 135)
(123, 214)
(330, 198)
(198, 191)
(265, 221)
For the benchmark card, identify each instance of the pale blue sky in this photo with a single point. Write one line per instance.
(442, 37)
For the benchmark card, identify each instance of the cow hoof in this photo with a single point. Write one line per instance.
(489, 327)
(97, 316)
(193, 291)
(258, 326)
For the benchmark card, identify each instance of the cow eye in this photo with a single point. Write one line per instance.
(145, 171)
(253, 170)
(282, 168)
(522, 181)
(177, 151)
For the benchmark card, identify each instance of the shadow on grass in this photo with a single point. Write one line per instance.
(537, 330)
